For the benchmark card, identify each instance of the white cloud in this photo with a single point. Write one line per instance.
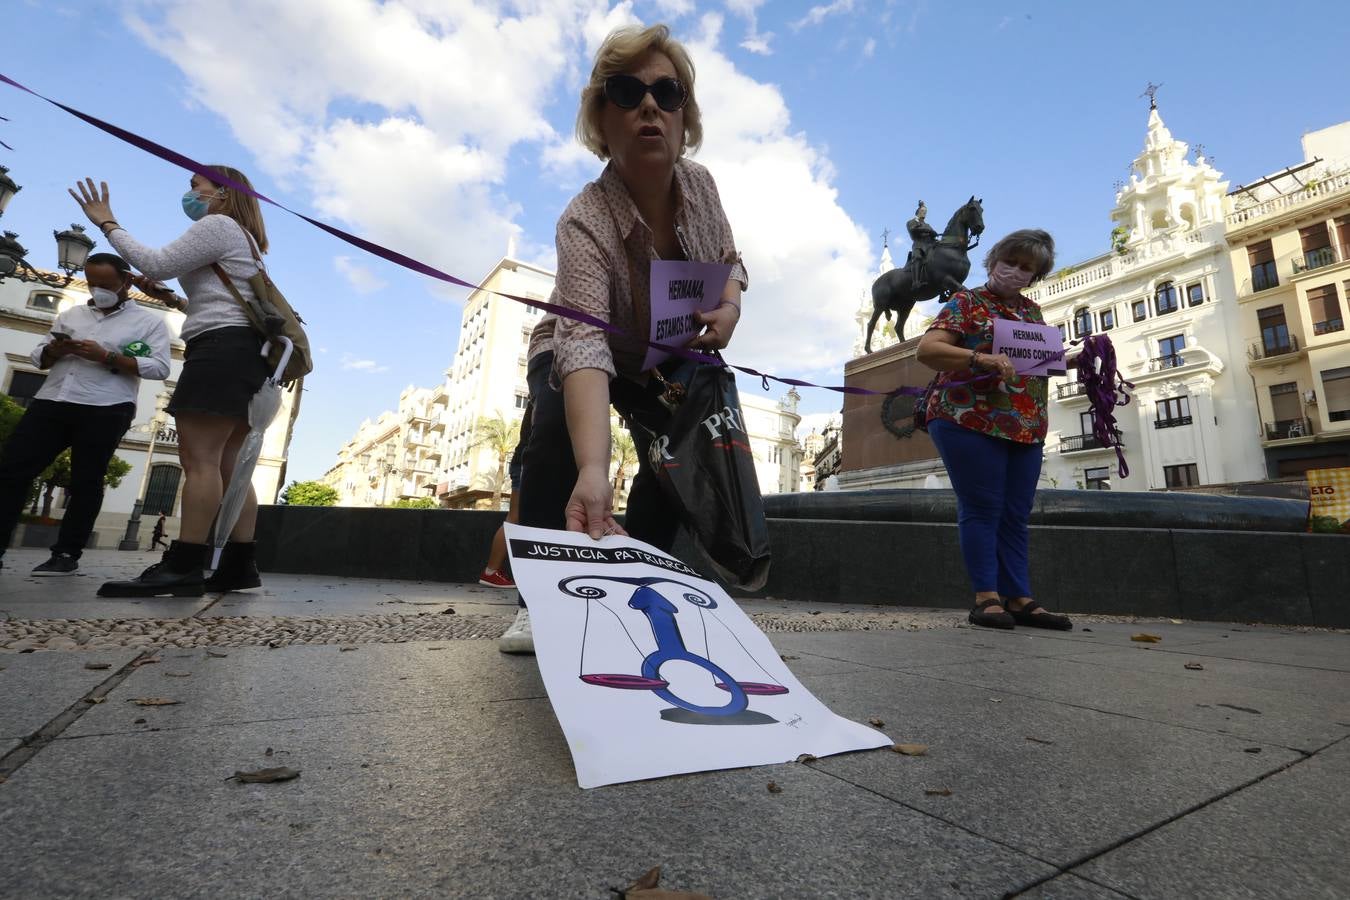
(818, 14)
(360, 103)
(361, 278)
(806, 257)
(369, 366)
(869, 48)
(673, 9)
(754, 41)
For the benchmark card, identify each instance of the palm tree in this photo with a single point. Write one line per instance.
(499, 436)
(625, 454)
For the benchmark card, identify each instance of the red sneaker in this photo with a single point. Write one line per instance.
(495, 580)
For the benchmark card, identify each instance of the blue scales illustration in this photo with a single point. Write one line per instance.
(671, 647)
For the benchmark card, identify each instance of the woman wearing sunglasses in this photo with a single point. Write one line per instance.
(638, 111)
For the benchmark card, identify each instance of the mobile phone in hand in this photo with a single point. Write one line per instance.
(60, 336)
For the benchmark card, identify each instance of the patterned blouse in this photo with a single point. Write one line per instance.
(1015, 409)
(604, 268)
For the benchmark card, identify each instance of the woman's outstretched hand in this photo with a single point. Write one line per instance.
(93, 200)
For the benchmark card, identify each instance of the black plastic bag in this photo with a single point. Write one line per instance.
(704, 463)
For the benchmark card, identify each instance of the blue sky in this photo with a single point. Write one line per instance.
(445, 128)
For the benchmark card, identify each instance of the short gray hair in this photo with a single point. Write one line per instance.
(1026, 244)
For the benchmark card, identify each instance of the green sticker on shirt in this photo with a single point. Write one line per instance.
(136, 348)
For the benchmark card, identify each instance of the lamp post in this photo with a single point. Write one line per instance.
(132, 539)
(72, 246)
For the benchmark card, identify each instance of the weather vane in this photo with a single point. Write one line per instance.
(885, 237)
(1118, 185)
(1151, 92)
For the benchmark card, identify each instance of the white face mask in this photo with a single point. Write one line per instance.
(104, 298)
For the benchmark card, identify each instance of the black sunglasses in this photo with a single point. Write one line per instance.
(627, 91)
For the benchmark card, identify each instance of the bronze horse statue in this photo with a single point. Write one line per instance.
(944, 269)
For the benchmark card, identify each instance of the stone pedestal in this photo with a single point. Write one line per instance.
(873, 455)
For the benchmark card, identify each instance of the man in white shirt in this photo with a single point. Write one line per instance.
(97, 353)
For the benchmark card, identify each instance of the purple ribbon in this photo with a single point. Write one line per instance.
(1105, 390)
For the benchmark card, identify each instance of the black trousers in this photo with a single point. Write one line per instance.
(92, 434)
(551, 469)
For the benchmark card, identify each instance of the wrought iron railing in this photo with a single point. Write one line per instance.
(1314, 259)
(1283, 429)
(1265, 350)
(1072, 389)
(1172, 423)
(1077, 442)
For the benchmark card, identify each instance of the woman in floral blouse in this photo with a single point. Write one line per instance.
(989, 424)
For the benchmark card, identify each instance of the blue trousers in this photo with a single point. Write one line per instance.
(995, 483)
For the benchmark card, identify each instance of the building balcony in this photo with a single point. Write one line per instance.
(1331, 326)
(1172, 423)
(1081, 443)
(1289, 430)
(1311, 260)
(1170, 361)
(1070, 390)
(1261, 353)
(1313, 193)
(1191, 359)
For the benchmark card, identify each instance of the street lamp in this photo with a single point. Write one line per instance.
(132, 539)
(72, 246)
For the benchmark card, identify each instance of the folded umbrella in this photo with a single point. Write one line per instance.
(262, 409)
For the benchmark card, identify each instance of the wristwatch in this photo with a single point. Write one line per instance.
(111, 362)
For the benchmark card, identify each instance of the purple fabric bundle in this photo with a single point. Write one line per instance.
(1105, 390)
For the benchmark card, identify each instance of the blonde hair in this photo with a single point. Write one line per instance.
(243, 208)
(619, 52)
(1028, 244)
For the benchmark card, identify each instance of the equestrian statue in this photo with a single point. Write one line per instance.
(937, 265)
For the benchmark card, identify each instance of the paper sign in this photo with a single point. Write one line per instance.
(653, 670)
(678, 290)
(1329, 500)
(1034, 349)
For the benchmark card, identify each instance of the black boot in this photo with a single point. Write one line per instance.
(238, 571)
(178, 574)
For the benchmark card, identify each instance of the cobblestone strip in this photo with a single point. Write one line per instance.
(20, 635)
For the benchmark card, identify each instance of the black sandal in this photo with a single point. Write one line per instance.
(1028, 616)
(978, 616)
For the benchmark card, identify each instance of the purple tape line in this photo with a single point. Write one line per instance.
(407, 262)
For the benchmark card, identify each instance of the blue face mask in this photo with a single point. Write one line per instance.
(194, 205)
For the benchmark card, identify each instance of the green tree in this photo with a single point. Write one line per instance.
(414, 503)
(57, 475)
(499, 436)
(625, 455)
(308, 493)
(10, 414)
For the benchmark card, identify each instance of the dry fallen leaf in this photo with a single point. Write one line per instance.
(154, 701)
(774, 788)
(938, 792)
(647, 888)
(1036, 740)
(911, 749)
(214, 655)
(137, 663)
(97, 666)
(138, 722)
(1251, 749)
(1195, 667)
(448, 611)
(994, 699)
(876, 723)
(177, 674)
(267, 752)
(1145, 638)
(1176, 621)
(784, 656)
(345, 649)
(806, 758)
(265, 776)
(94, 699)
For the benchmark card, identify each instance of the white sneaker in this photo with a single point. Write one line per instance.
(518, 638)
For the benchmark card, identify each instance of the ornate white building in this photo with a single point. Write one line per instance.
(27, 310)
(394, 456)
(1165, 295)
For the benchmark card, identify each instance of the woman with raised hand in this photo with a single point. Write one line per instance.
(223, 368)
(989, 425)
(638, 112)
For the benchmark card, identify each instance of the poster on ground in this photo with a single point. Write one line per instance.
(1329, 501)
(653, 670)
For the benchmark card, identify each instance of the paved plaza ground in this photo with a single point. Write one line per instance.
(1212, 763)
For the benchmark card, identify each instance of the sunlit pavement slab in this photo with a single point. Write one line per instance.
(1080, 764)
